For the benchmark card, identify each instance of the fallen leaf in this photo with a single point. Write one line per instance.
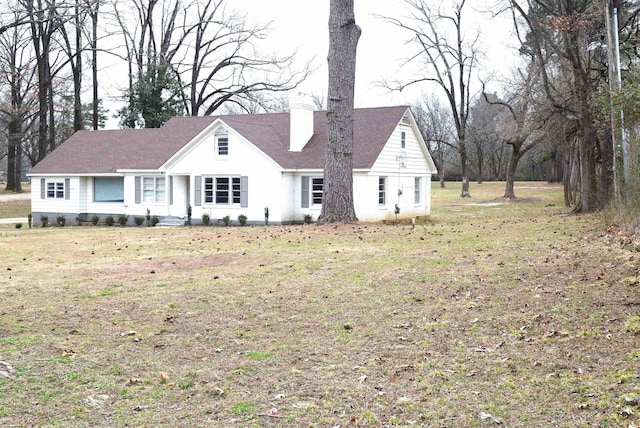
(68, 353)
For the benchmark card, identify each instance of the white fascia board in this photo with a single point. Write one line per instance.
(190, 145)
(423, 145)
(140, 171)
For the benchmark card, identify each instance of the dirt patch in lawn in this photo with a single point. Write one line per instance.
(517, 316)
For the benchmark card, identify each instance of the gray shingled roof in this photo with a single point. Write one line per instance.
(100, 152)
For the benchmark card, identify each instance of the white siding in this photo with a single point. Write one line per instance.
(265, 180)
(401, 167)
(55, 205)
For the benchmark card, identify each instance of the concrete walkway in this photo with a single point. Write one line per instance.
(23, 220)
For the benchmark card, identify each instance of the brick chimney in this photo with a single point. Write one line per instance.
(301, 121)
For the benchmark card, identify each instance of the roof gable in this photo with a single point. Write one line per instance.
(103, 152)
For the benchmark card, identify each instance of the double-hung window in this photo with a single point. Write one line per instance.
(55, 189)
(382, 191)
(153, 189)
(227, 190)
(417, 191)
(223, 190)
(312, 191)
(317, 188)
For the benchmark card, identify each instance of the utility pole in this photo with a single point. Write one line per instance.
(615, 84)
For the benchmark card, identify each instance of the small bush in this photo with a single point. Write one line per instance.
(226, 220)
(242, 219)
(108, 220)
(18, 225)
(138, 220)
(95, 219)
(44, 220)
(154, 220)
(61, 220)
(148, 217)
(266, 216)
(308, 218)
(79, 220)
(206, 219)
(123, 219)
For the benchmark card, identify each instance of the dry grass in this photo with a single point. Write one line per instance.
(488, 313)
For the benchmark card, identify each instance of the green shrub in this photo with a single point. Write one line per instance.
(95, 219)
(18, 225)
(226, 220)
(123, 219)
(79, 220)
(206, 219)
(242, 219)
(308, 218)
(108, 220)
(154, 220)
(266, 216)
(138, 220)
(61, 220)
(44, 220)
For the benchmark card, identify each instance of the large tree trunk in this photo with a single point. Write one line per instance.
(509, 192)
(13, 163)
(464, 166)
(77, 72)
(337, 201)
(94, 66)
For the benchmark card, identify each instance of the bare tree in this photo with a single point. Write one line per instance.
(558, 37)
(484, 142)
(448, 61)
(522, 122)
(226, 65)
(17, 71)
(337, 200)
(191, 57)
(436, 126)
(43, 25)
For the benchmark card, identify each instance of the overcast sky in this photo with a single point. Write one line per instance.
(303, 25)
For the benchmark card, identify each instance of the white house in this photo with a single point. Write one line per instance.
(235, 164)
